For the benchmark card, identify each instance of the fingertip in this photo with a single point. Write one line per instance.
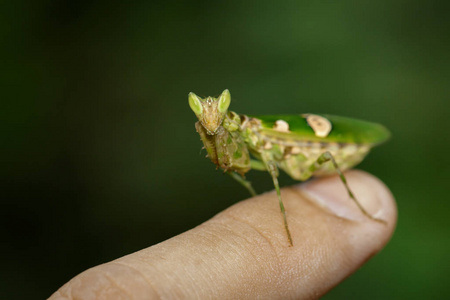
(372, 194)
(332, 238)
(356, 237)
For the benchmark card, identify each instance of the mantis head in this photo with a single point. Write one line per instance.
(210, 111)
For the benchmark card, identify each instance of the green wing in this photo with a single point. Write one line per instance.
(344, 130)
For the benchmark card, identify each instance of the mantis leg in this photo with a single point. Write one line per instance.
(326, 157)
(273, 170)
(245, 183)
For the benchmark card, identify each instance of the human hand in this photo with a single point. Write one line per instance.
(243, 252)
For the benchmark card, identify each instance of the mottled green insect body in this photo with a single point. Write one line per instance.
(296, 146)
(300, 145)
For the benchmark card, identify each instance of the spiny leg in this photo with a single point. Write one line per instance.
(327, 156)
(272, 168)
(242, 181)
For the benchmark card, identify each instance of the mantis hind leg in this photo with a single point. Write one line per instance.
(273, 170)
(328, 157)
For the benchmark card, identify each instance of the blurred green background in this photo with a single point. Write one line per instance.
(100, 157)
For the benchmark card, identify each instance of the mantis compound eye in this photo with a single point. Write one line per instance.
(224, 101)
(195, 104)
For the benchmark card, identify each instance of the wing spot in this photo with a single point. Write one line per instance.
(319, 124)
(281, 126)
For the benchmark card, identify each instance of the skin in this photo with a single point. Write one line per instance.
(242, 252)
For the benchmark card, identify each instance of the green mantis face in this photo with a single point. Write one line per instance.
(210, 111)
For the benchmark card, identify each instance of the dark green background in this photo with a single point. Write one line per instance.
(100, 157)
